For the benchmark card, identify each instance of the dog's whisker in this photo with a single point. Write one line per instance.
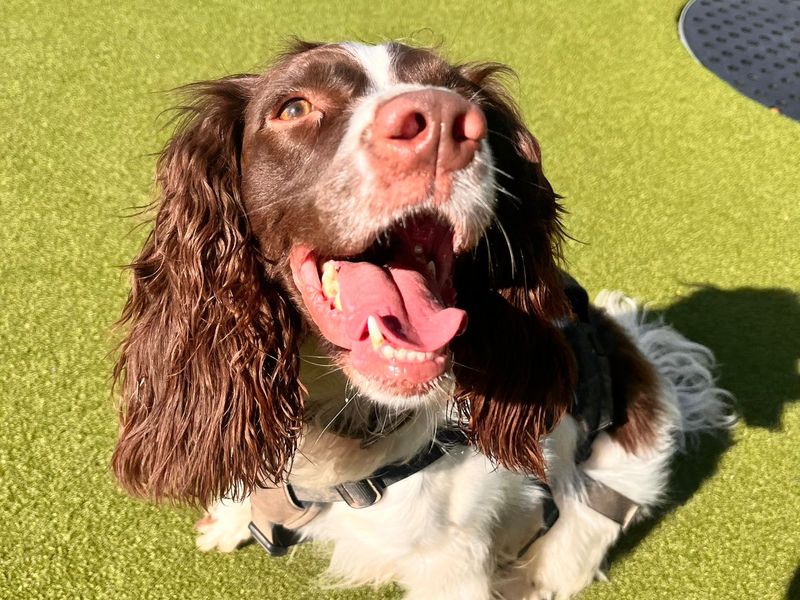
(508, 244)
(325, 429)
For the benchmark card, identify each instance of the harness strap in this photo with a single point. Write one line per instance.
(609, 502)
(549, 518)
(277, 512)
(275, 517)
(593, 406)
(366, 492)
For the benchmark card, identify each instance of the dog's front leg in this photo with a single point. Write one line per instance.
(460, 567)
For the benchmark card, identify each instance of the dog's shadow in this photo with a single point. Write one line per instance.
(752, 332)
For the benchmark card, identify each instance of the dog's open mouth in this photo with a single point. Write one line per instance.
(391, 306)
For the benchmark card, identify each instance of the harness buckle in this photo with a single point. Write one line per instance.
(281, 539)
(362, 493)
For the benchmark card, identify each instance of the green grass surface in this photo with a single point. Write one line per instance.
(684, 192)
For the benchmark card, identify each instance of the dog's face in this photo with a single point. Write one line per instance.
(376, 196)
(369, 168)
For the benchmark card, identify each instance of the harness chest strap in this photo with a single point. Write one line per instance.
(277, 512)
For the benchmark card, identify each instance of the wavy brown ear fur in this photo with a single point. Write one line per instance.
(208, 372)
(514, 368)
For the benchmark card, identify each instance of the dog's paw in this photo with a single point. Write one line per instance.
(224, 526)
(564, 588)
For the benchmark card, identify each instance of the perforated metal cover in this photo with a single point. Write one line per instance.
(754, 45)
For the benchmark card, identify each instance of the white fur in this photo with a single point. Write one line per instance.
(470, 208)
(453, 529)
(377, 63)
(686, 368)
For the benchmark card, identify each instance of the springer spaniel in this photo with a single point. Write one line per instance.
(351, 299)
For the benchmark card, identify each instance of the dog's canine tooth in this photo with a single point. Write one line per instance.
(375, 335)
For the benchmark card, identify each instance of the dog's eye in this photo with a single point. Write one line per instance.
(294, 109)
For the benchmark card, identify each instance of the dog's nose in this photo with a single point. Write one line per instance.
(434, 130)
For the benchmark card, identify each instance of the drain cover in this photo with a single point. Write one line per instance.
(754, 45)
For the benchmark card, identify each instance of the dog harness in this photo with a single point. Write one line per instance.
(278, 512)
(593, 402)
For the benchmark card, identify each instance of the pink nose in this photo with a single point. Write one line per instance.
(432, 130)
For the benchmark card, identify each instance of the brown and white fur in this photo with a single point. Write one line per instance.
(229, 378)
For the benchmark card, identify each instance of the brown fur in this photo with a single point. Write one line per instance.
(634, 385)
(210, 395)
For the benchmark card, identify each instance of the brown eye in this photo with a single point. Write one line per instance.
(294, 109)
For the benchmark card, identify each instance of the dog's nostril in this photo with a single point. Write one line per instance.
(413, 124)
(459, 129)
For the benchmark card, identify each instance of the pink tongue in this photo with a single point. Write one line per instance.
(406, 303)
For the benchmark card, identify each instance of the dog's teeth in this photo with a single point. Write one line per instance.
(418, 249)
(375, 335)
(401, 353)
(330, 280)
(330, 284)
(387, 351)
(431, 266)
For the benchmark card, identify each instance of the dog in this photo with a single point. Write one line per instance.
(349, 325)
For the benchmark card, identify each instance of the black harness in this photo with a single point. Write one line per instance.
(593, 401)
(278, 512)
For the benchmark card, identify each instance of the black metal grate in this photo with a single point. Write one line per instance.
(754, 45)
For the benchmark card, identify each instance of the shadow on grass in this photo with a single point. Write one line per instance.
(753, 333)
(793, 591)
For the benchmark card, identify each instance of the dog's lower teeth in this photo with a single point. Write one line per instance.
(391, 353)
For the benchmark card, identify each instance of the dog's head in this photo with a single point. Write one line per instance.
(378, 197)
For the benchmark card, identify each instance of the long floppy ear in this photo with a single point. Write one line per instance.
(514, 368)
(208, 372)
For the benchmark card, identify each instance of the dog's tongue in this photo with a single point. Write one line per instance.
(405, 301)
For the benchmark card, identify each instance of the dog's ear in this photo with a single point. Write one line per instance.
(514, 368)
(208, 371)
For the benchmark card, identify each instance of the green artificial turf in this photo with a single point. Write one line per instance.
(681, 192)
